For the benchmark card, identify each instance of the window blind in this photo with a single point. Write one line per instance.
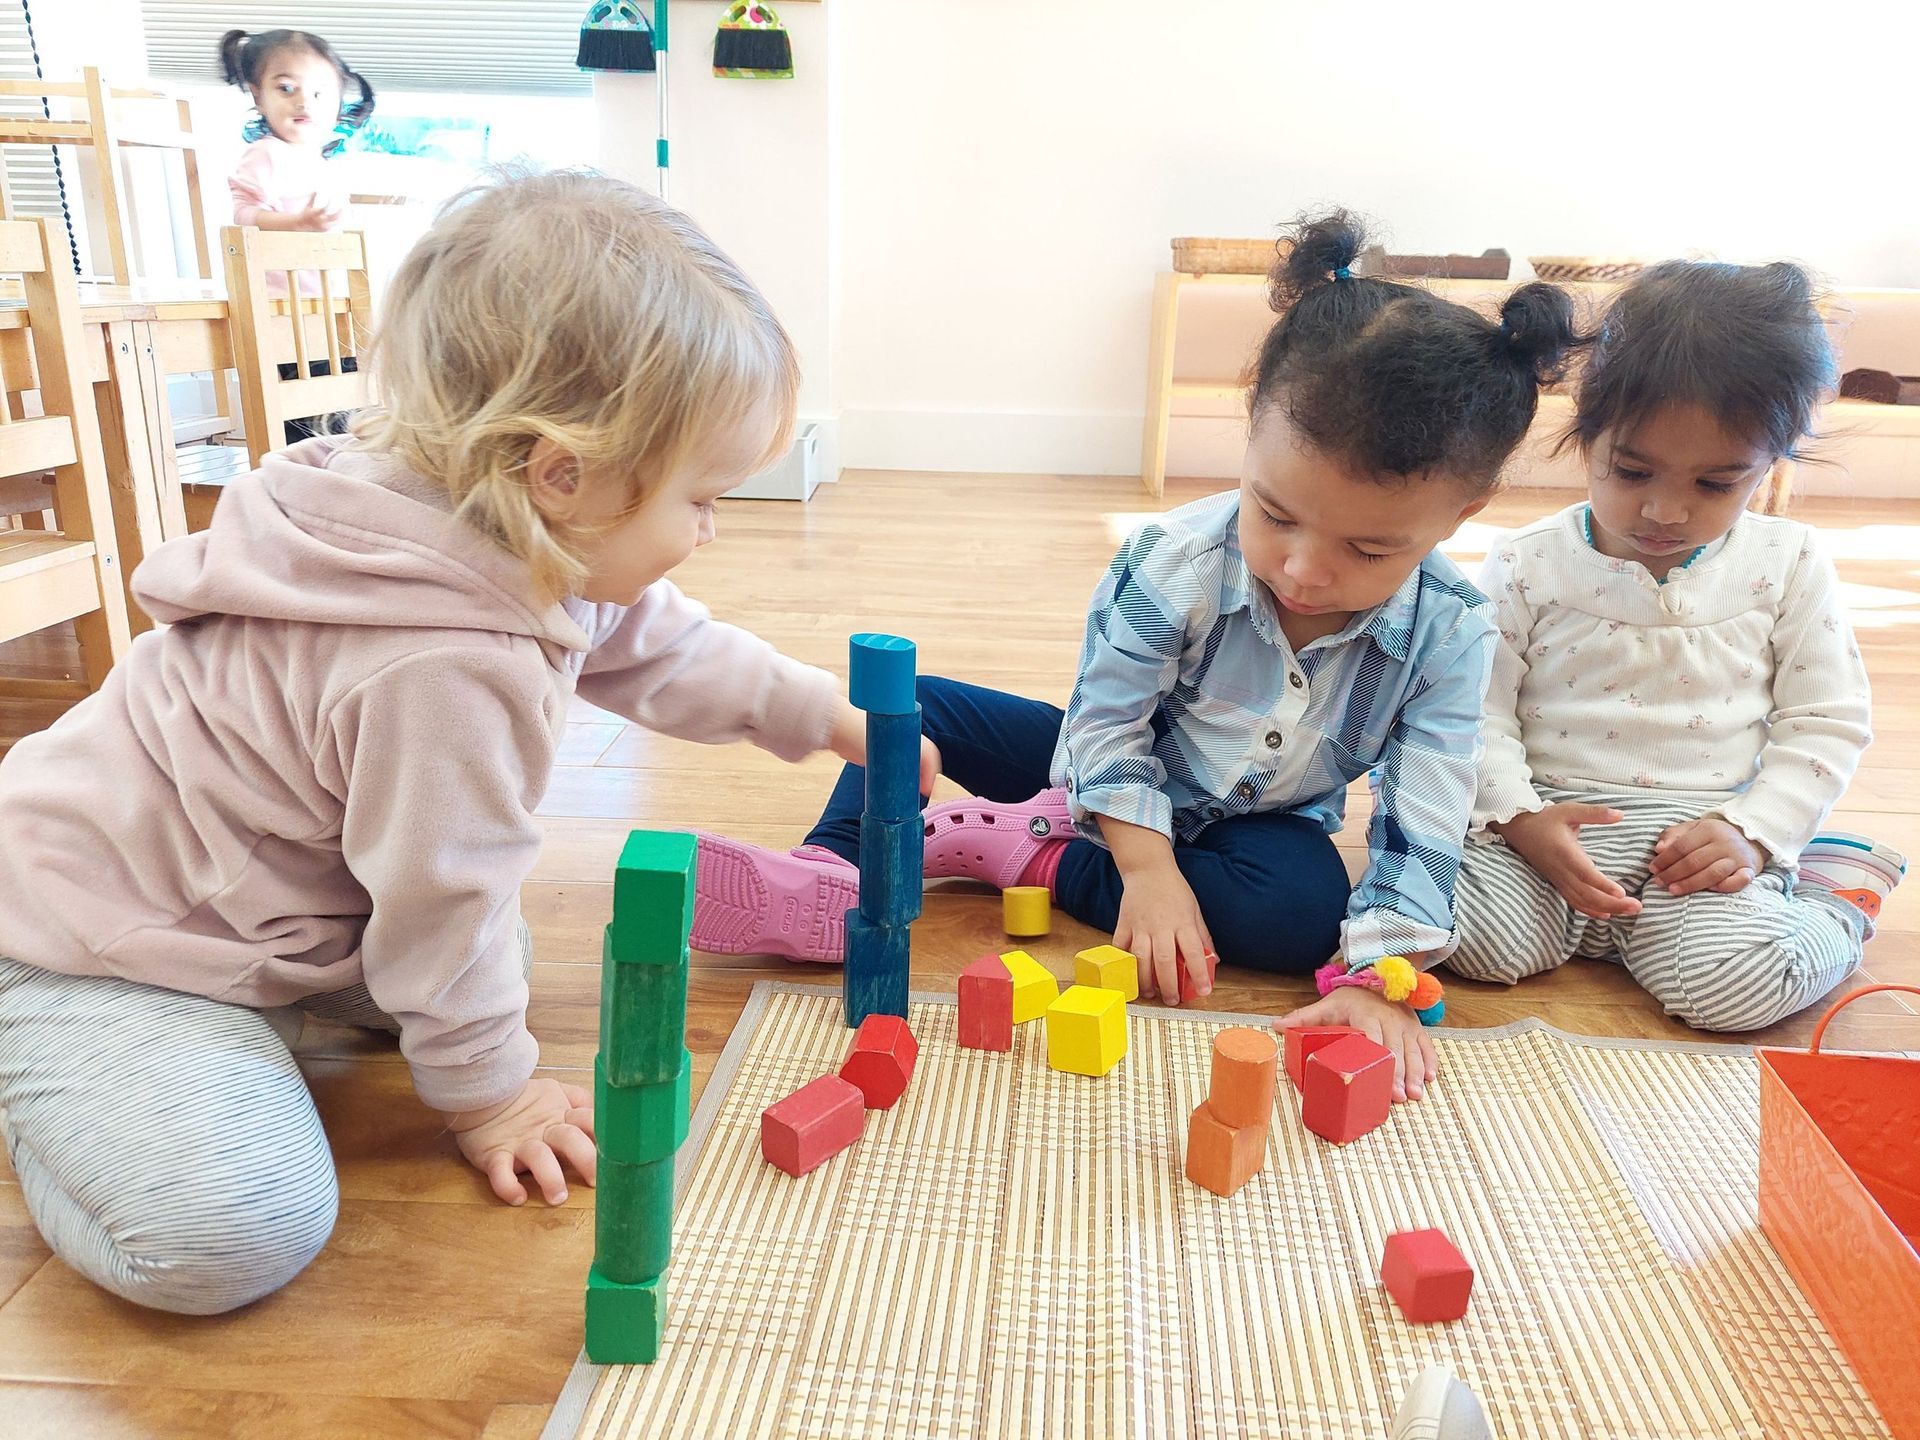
(33, 175)
(511, 47)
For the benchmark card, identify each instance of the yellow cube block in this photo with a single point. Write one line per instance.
(1087, 1030)
(1034, 987)
(1108, 967)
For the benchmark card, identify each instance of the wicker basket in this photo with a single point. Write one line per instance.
(1201, 255)
(1583, 267)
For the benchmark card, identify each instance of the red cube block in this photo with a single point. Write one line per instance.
(1427, 1275)
(813, 1124)
(1349, 1088)
(881, 1060)
(986, 1005)
(1303, 1041)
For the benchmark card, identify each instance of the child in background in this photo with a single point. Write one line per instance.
(1246, 658)
(1677, 699)
(314, 787)
(296, 81)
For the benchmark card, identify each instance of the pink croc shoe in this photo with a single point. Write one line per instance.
(750, 901)
(985, 840)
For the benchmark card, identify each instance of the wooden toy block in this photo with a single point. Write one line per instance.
(813, 1124)
(881, 674)
(1306, 1039)
(881, 1060)
(874, 977)
(1246, 1067)
(1108, 967)
(1427, 1275)
(624, 1322)
(632, 1219)
(1223, 1157)
(643, 1018)
(893, 767)
(1187, 990)
(653, 898)
(1034, 987)
(892, 863)
(986, 1005)
(1349, 1089)
(639, 1123)
(1087, 1030)
(1026, 911)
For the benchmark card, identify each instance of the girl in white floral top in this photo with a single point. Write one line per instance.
(1678, 701)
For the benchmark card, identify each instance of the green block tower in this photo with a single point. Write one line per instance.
(640, 1080)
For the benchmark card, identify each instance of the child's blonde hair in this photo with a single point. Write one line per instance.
(575, 307)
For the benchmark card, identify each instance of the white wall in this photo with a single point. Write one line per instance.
(753, 163)
(1012, 173)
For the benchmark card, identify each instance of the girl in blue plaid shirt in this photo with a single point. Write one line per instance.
(1246, 658)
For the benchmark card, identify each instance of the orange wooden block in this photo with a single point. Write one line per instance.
(1246, 1071)
(1222, 1157)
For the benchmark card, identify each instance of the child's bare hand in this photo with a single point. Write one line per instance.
(1386, 1023)
(1706, 854)
(547, 1122)
(1549, 841)
(320, 215)
(849, 742)
(1160, 923)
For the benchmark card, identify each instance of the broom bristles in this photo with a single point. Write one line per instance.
(620, 49)
(770, 50)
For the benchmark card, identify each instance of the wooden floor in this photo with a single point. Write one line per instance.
(436, 1311)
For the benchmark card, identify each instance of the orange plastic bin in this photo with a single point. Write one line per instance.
(1840, 1200)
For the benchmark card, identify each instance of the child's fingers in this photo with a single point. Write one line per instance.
(1707, 865)
(1429, 1056)
(502, 1176)
(1411, 1065)
(1736, 882)
(1582, 814)
(575, 1147)
(1166, 968)
(1705, 877)
(1194, 954)
(538, 1158)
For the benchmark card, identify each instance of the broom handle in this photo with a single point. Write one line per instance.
(660, 49)
(1835, 1008)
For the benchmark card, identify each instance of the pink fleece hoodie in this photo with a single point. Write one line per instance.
(325, 768)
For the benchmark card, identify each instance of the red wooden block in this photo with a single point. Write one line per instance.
(813, 1124)
(986, 1005)
(1349, 1088)
(1427, 1275)
(1306, 1039)
(881, 1060)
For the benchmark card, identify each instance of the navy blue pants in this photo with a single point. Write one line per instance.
(1271, 886)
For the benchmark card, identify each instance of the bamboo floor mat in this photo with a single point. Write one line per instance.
(1013, 1252)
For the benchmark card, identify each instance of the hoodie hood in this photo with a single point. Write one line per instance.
(329, 535)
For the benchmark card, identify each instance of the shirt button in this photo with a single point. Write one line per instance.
(1273, 739)
(1294, 679)
(1245, 790)
(1214, 812)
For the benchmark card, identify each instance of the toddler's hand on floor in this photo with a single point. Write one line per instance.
(1706, 854)
(547, 1122)
(849, 742)
(1160, 923)
(1382, 1021)
(1549, 841)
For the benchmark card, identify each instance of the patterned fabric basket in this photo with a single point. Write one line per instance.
(1840, 1200)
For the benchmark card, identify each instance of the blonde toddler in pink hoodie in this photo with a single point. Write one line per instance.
(315, 788)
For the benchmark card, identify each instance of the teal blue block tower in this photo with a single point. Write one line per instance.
(640, 1091)
(892, 849)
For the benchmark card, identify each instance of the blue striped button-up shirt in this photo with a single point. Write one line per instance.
(1191, 706)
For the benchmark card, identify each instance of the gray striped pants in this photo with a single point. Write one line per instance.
(1718, 962)
(166, 1143)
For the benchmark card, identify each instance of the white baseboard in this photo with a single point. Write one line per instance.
(990, 442)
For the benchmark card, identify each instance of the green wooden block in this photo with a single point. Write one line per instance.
(632, 1219)
(653, 898)
(624, 1322)
(643, 1019)
(637, 1124)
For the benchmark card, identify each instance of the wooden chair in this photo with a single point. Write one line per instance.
(273, 327)
(100, 127)
(71, 572)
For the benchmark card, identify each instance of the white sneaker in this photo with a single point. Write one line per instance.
(1857, 869)
(1438, 1406)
